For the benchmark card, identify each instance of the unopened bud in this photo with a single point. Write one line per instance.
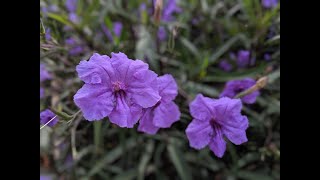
(157, 11)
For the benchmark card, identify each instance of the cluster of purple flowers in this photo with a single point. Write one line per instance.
(75, 45)
(125, 90)
(269, 3)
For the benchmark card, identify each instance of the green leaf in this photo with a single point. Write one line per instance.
(145, 159)
(190, 46)
(127, 175)
(60, 18)
(179, 162)
(249, 175)
(111, 156)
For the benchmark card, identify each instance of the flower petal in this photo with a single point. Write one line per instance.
(125, 115)
(168, 89)
(218, 146)
(97, 70)
(143, 89)
(200, 108)
(95, 101)
(146, 125)
(166, 114)
(237, 133)
(199, 133)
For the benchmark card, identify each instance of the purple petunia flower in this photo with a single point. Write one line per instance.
(71, 5)
(75, 47)
(41, 92)
(234, 87)
(46, 116)
(213, 119)
(162, 33)
(267, 57)
(73, 17)
(48, 34)
(169, 9)
(243, 58)
(225, 65)
(117, 28)
(42, 177)
(269, 3)
(44, 74)
(165, 112)
(117, 87)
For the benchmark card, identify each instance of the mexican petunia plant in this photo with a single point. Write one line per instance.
(214, 119)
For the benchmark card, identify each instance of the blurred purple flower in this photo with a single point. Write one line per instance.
(169, 9)
(269, 3)
(73, 17)
(165, 112)
(267, 57)
(117, 87)
(212, 120)
(48, 34)
(225, 65)
(162, 33)
(46, 116)
(76, 47)
(41, 92)
(43, 177)
(234, 87)
(44, 74)
(117, 28)
(243, 58)
(71, 5)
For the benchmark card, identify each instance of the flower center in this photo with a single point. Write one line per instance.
(117, 86)
(215, 126)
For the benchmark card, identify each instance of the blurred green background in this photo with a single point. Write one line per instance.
(198, 39)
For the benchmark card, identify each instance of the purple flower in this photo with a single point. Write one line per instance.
(169, 9)
(267, 57)
(42, 177)
(73, 17)
(165, 112)
(48, 34)
(117, 28)
(269, 3)
(225, 65)
(44, 74)
(234, 87)
(75, 46)
(46, 116)
(116, 87)
(213, 119)
(243, 58)
(162, 33)
(71, 5)
(41, 92)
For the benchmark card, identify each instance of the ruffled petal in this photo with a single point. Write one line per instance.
(97, 70)
(237, 133)
(125, 115)
(218, 145)
(166, 114)
(168, 88)
(95, 101)
(146, 123)
(200, 108)
(199, 133)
